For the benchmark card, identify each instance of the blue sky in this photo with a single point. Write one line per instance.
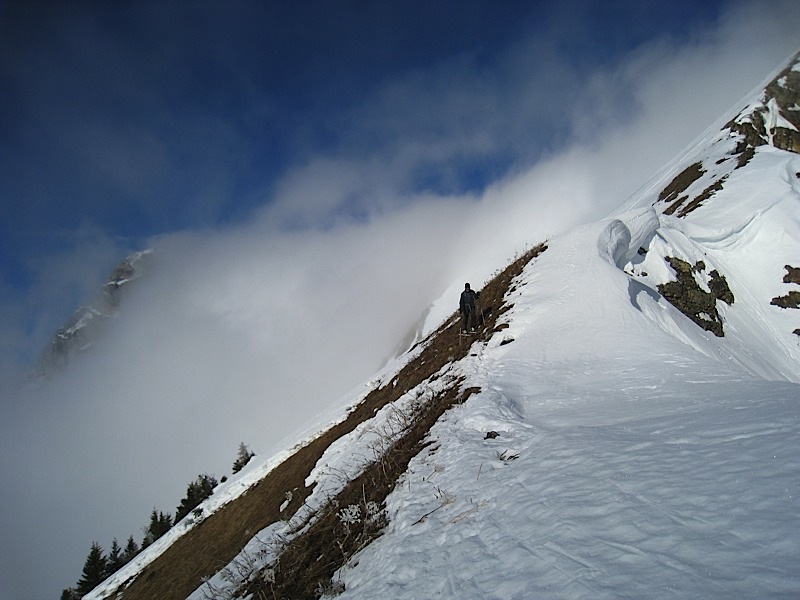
(123, 121)
(312, 176)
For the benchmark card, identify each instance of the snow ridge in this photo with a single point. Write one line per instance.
(600, 444)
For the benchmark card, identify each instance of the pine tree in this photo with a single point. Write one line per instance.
(116, 559)
(160, 523)
(198, 490)
(94, 570)
(70, 594)
(131, 550)
(242, 458)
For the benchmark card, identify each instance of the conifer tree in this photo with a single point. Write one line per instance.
(131, 550)
(70, 594)
(116, 558)
(94, 570)
(242, 458)
(198, 490)
(160, 523)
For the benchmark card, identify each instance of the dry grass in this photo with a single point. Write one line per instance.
(310, 560)
(320, 550)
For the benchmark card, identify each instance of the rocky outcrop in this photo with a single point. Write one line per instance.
(692, 300)
(775, 120)
(772, 120)
(792, 299)
(77, 333)
(678, 186)
(792, 274)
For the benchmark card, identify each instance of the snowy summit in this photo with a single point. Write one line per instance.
(623, 424)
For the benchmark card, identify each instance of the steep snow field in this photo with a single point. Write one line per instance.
(648, 464)
(654, 459)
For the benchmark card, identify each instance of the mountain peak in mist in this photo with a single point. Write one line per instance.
(78, 333)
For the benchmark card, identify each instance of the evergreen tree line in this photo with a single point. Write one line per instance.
(99, 566)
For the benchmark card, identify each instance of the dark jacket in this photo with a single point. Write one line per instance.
(467, 302)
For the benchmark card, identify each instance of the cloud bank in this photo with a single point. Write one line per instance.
(246, 332)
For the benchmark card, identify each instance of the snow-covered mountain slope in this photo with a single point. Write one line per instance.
(627, 464)
(79, 332)
(625, 426)
(654, 458)
(733, 209)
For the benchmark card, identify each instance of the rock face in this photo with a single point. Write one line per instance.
(792, 274)
(792, 299)
(774, 119)
(687, 295)
(770, 120)
(678, 185)
(777, 120)
(77, 333)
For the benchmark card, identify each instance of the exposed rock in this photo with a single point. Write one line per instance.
(773, 120)
(682, 181)
(719, 287)
(790, 300)
(705, 195)
(687, 296)
(675, 205)
(786, 139)
(753, 136)
(785, 90)
(767, 124)
(79, 331)
(792, 274)
(744, 157)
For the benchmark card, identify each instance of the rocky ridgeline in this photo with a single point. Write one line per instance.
(773, 119)
(77, 334)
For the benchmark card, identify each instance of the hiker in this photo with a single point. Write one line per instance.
(467, 307)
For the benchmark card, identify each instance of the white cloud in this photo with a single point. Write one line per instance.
(60, 282)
